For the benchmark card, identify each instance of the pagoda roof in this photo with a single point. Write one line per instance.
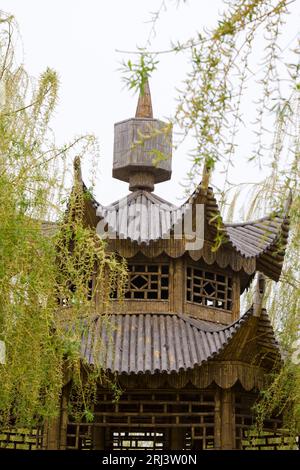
(261, 243)
(133, 344)
(152, 217)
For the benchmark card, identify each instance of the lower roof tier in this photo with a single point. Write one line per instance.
(133, 344)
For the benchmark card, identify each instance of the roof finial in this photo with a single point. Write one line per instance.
(134, 162)
(77, 169)
(144, 106)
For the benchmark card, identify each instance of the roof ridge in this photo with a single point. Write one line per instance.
(124, 199)
(251, 222)
(236, 325)
(154, 198)
(240, 320)
(95, 203)
(194, 321)
(133, 195)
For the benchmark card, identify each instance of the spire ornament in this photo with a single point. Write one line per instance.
(144, 106)
(143, 147)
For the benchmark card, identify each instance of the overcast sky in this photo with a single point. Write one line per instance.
(79, 39)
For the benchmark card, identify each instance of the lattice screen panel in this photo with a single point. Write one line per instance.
(79, 437)
(153, 414)
(148, 282)
(208, 288)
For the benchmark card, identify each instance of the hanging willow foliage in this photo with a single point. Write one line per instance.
(282, 396)
(210, 107)
(45, 267)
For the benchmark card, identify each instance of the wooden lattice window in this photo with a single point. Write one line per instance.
(79, 437)
(208, 288)
(148, 282)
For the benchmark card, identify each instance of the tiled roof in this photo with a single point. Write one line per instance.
(143, 218)
(162, 343)
(265, 239)
(153, 218)
(253, 238)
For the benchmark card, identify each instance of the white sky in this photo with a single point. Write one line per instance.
(79, 38)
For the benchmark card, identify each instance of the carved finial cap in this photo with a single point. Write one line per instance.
(144, 106)
(137, 143)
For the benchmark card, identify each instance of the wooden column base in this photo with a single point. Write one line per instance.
(177, 439)
(98, 438)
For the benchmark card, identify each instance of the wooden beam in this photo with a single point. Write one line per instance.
(236, 292)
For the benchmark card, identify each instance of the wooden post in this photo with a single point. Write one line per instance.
(177, 436)
(172, 285)
(64, 418)
(218, 419)
(235, 297)
(55, 435)
(98, 438)
(179, 286)
(259, 294)
(52, 442)
(227, 417)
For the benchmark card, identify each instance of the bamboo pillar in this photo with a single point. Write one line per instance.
(227, 419)
(64, 418)
(235, 297)
(218, 419)
(179, 285)
(172, 286)
(177, 436)
(259, 294)
(56, 428)
(52, 434)
(98, 438)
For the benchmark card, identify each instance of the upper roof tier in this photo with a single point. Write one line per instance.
(149, 224)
